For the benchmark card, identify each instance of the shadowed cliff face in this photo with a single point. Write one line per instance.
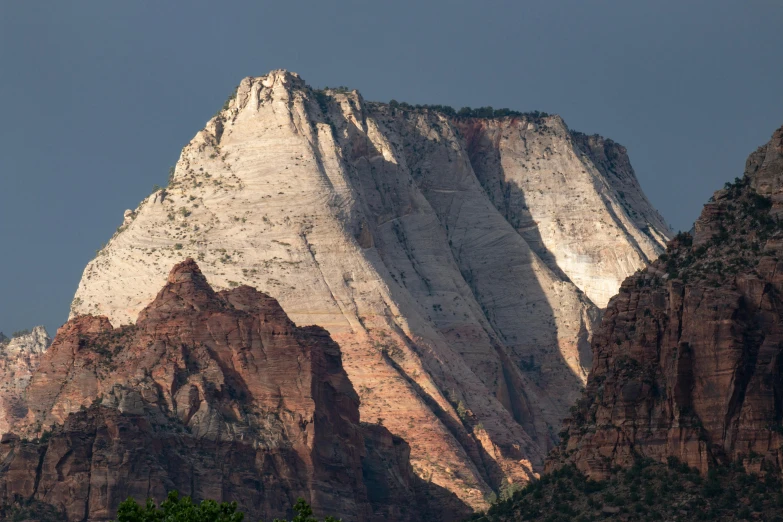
(688, 361)
(382, 225)
(215, 394)
(573, 198)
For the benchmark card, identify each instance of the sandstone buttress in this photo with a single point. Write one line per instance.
(216, 395)
(458, 263)
(688, 362)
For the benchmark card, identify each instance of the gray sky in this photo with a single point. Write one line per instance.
(98, 97)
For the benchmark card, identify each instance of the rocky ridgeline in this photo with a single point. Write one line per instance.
(688, 362)
(19, 357)
(460, 263)
(217, 395)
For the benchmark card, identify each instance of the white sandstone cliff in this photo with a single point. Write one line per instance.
(387, 228)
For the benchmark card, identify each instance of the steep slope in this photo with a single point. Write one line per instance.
(574, 198)
(19, 357)
(371, 221)
(688, 362)
(218, 395)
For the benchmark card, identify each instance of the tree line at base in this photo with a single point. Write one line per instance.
(178, 508)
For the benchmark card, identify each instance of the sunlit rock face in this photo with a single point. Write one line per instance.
(463, 307)
(688, 362)
(213, 394)
(574, 198)
(19, 357)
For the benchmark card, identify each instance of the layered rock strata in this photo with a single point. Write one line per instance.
(574, 198)
(19, 357)
(445, 256)
(688, 362)
(217, 395)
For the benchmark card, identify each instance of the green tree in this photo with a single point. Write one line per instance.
(304, 513)
(178, 509)
(182, 509)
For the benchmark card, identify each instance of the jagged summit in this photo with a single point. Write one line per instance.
(458, 262)
(186, 286)
(187, 271)
(284, 76)
(588, 173)
(764, 169)
(33, 341)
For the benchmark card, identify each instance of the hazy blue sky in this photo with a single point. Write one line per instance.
(98, 97)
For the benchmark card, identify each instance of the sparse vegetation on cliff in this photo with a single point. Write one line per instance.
(645, 491)
(741, 225)
(227, 103)
(469, 112)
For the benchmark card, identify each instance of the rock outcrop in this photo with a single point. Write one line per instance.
(688, 362)
(19, 357)
(454, 260)
(217, 395)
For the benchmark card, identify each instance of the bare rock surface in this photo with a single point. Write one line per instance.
(688, 362)
(574, 198)
(457, 262)
(19, 357)
(215, 394)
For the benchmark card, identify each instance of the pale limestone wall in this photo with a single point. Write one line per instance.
(373, 223)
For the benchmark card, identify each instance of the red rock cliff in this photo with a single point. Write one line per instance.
(217, 395)
(688, 361)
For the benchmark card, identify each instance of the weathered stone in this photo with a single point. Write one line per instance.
(385, 226)
(688, 361)
(19, 357)
(573, 198)
(215, 394)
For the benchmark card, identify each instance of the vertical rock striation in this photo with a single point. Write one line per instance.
(216, 394)
(688, 361)
(573, 198)
(19, 357)
(464, 316)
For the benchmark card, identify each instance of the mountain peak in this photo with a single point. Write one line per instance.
(459, 261)
(186, 287)
(764, 168)
(33, 341)
(283, 76)
(187, 272)
(257, 411)
(277, 78)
